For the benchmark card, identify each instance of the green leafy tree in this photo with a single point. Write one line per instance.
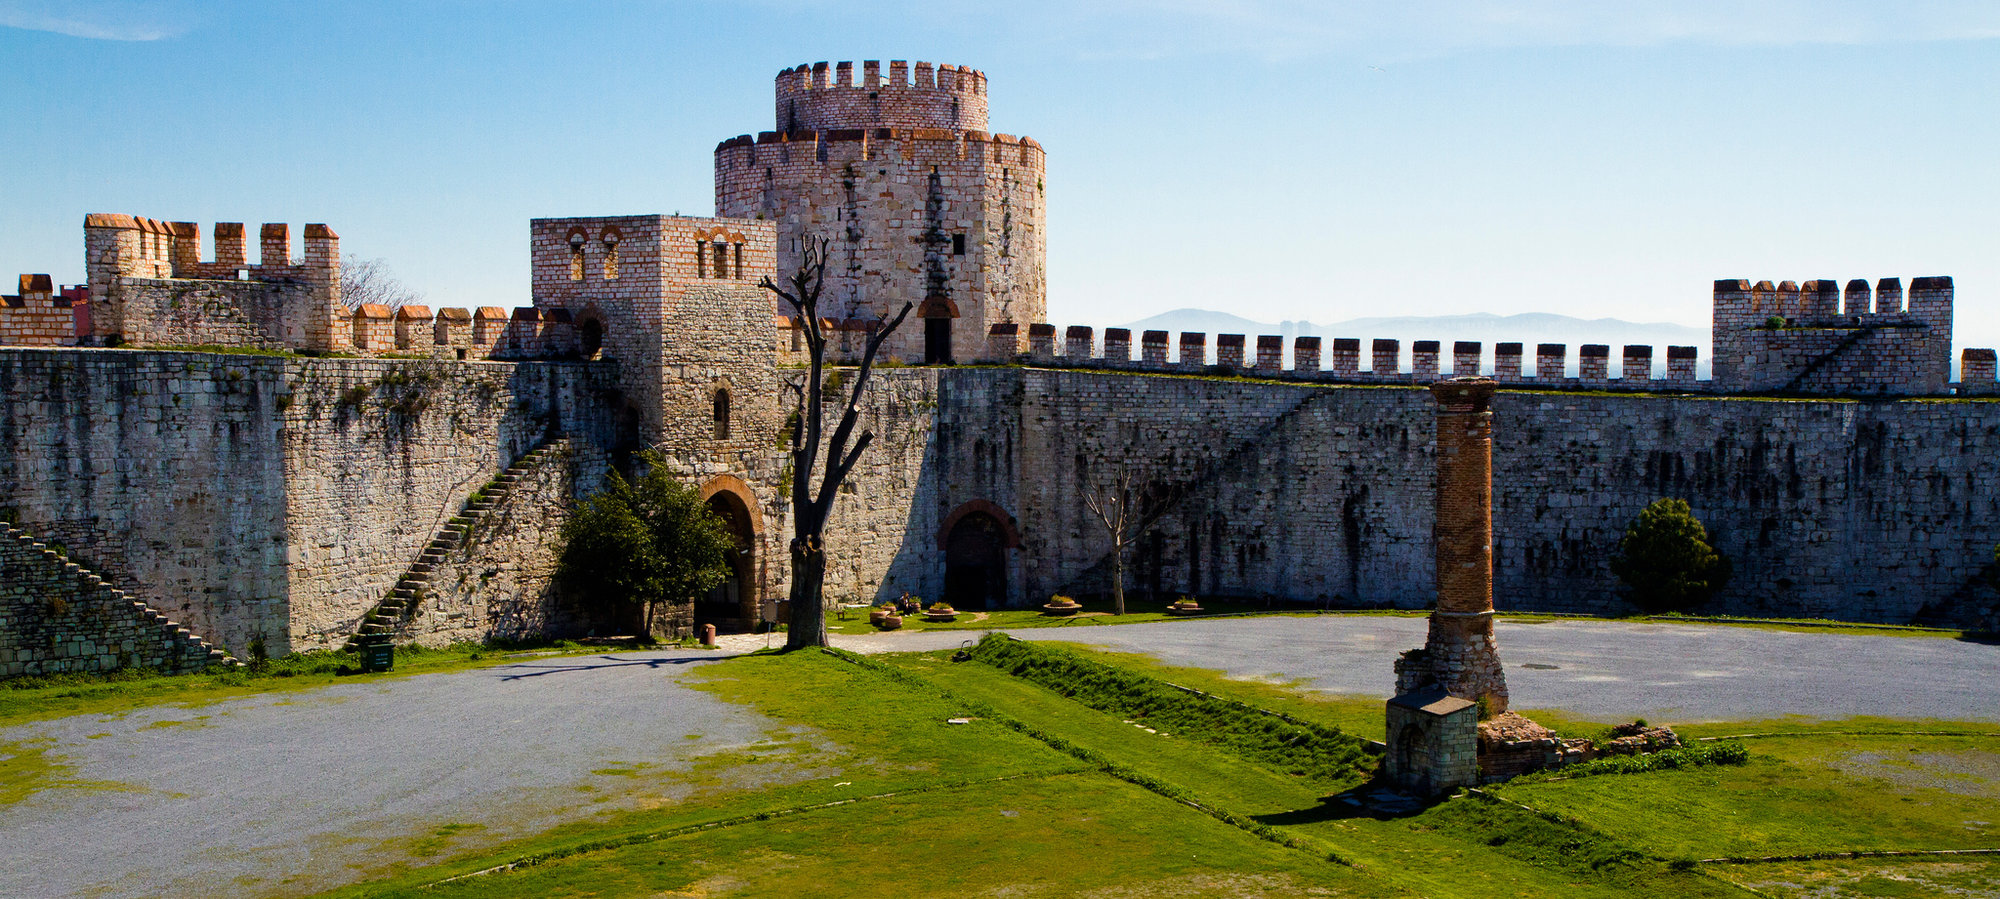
(1665, 559)
(638, 544)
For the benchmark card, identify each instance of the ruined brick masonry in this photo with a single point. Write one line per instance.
(1460, 655)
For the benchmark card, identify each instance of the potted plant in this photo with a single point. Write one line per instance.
(1061, 606)
(889, 621)
(940, 611)
(1184, 606)
(877, 613)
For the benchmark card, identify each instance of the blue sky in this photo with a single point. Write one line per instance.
(1279, 160)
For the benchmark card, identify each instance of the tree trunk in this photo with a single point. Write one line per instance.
(1117, 579)
(808, 624)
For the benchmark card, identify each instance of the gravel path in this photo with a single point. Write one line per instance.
(1599, 669)
(284, 792)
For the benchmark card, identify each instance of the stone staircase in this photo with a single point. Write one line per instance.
(1205, 477)
(81, 623)
(395, 612)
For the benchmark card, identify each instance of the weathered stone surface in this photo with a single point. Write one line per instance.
(252, 496)
(57, 617)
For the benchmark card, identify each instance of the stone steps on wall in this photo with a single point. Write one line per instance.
(1208, 475)
(194, 652)
(389, 616)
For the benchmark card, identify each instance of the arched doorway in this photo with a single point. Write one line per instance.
(732, 605)
(975, 563)
(591, 335)
(1412, 759)
(975, 539)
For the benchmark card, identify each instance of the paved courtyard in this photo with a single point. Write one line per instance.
(284, 792)
(290, 791)
(1601, 669)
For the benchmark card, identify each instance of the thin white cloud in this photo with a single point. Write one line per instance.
(1404, 28)
(103, 20)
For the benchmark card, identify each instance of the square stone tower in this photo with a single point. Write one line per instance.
(675, 300)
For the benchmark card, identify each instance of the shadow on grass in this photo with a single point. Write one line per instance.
(599, 663)
(1375, 799)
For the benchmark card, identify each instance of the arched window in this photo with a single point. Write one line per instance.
(576, 240)
(722, 413)
(611, 254)
(721, 259)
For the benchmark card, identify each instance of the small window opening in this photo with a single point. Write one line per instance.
(611, 255)
(958, 244)
(576, 256)
(739, 261)
(722, 260)
(722, 414)
(700, 259)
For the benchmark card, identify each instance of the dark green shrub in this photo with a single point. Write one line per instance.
(644, 542)
(1665, 560)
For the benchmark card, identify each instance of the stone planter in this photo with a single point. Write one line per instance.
(947, 615)
(1184, 610)
(889, 622)
(1061, 611)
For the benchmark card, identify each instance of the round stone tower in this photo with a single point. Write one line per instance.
(919, 202)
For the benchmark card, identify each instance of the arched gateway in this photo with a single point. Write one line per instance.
(975, 539)
(732, 605)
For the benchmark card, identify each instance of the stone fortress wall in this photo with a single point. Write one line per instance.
(921, 203)
(1860, 510)
(268, 497)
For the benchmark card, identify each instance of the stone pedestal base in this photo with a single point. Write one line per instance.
(1433, 743)
(1460, 657)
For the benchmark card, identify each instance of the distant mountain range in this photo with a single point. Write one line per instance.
(1528, 328)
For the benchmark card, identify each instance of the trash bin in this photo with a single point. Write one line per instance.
(378, 655)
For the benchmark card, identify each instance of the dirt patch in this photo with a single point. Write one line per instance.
(1844, 879)
(1967, 772)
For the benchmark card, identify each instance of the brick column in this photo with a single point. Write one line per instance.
(1461, 654)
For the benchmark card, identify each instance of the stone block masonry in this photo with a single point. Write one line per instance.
(922, 204)
(57, 617)
(42, 315)
(265, 497)
(1869, 511)
(500, 581)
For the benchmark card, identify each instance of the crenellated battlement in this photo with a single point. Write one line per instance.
(133, 246)
(151, 287)
(1820, 336)
(1600, 366)
(834, 95)
(43, 313)
(839, 147)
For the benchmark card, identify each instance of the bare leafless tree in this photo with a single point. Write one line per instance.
(364, 281)
(810, 508)
(1125, 512)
